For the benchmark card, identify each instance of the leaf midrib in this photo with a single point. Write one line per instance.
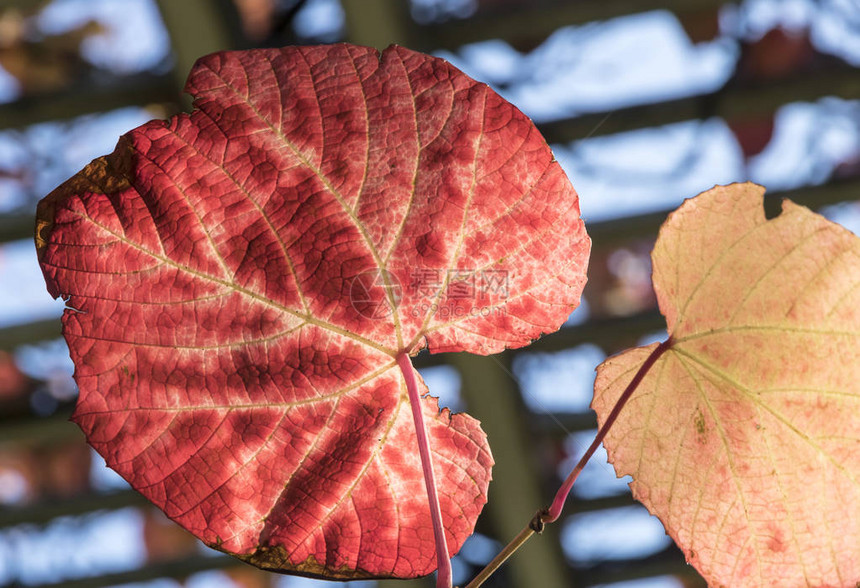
(335, 193)
(307, 318)
(253, 405)
(751, 396)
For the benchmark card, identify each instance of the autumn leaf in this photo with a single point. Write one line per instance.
(242, 282)
(743, 437)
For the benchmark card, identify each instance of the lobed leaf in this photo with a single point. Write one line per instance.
(240, 281)
(744, 437)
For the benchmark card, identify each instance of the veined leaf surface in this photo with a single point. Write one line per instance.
(240, 281)
(744, 436)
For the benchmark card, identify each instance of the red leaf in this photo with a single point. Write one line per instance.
(245, 276)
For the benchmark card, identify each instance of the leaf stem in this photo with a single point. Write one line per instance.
(443, 561)
(502, 556)
(552, 513)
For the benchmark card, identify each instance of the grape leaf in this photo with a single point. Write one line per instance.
(744, 437)
(242, 280)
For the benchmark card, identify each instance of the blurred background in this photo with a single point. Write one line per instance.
(644, 103)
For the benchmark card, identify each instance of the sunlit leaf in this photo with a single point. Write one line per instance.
(744, 436)
(241, 281)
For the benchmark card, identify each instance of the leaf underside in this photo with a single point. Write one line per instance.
(240, 281)
(744, 437)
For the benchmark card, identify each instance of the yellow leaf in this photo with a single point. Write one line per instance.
(744, 436)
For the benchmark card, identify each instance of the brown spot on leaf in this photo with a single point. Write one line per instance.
(701, 427)
(276, 559)
(106, 175)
